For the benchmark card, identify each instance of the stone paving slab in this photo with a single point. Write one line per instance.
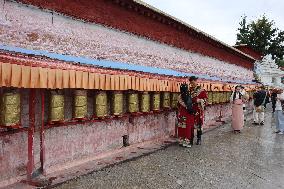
(252, 159)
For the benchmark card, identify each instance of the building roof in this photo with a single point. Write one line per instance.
(193, 28)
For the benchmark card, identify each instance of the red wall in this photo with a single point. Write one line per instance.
(140, 21)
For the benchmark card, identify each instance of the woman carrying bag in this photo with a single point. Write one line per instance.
(237, 100)
(185, 117)
(260, 98)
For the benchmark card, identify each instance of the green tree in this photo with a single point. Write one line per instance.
(262, 36)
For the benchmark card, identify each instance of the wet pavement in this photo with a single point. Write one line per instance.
(252, 159)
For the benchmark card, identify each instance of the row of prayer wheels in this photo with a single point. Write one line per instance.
(112, 103)
(105, 103)
(222, 97)
(218, 97)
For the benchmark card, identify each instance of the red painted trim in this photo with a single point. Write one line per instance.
(42, 138)
(14, 131)
(31, 131)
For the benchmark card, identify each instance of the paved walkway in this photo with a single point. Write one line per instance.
(252, 159)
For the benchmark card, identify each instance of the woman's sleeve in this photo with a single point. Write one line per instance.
(246, 96)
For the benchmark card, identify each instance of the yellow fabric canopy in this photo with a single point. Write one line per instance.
(22, 76)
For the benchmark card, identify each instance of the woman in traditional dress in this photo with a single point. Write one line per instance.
(237, 100)
(185, 117)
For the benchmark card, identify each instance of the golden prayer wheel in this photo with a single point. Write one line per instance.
(133, 102)
(220, 97)
(223, 97)
(166, 100)
(10, 109)
(80, 104)
(215, 97)
(117, 103)
(56, 106)
(210, 97)
(101, 105)
(174, 101)
(156, 100)
(228, 96)
(145, 102)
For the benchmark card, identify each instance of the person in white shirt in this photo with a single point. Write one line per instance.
(279, 116)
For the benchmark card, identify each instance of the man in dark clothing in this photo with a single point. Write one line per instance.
(261, 98)
(273, 99)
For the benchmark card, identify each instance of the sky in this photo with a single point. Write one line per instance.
(220, 18)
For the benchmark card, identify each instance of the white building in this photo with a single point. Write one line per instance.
(268, 72)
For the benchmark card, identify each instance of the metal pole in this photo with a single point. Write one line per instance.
(31, 132)
(42, 139)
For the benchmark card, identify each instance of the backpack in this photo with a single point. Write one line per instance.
(188, 100)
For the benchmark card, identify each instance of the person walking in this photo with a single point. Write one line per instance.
(185, 117)
(273, 99)
(237, 100)
(279, 114)
(261, 98)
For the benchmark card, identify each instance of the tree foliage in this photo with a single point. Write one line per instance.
(262, 36)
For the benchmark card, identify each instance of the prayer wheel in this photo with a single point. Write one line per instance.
(101, 104)
(215, 98)
(80, 104)
(56, 106)
(117, 103)
(145, 102)
(174, 101)
(133, 102)
(210, 97)
(166, 100)
(223, 97)
(228, 96)
(156, 101)
(10, 109)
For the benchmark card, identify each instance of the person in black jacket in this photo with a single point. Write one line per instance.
(185, 117)
(273, 99)
(261, 98)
